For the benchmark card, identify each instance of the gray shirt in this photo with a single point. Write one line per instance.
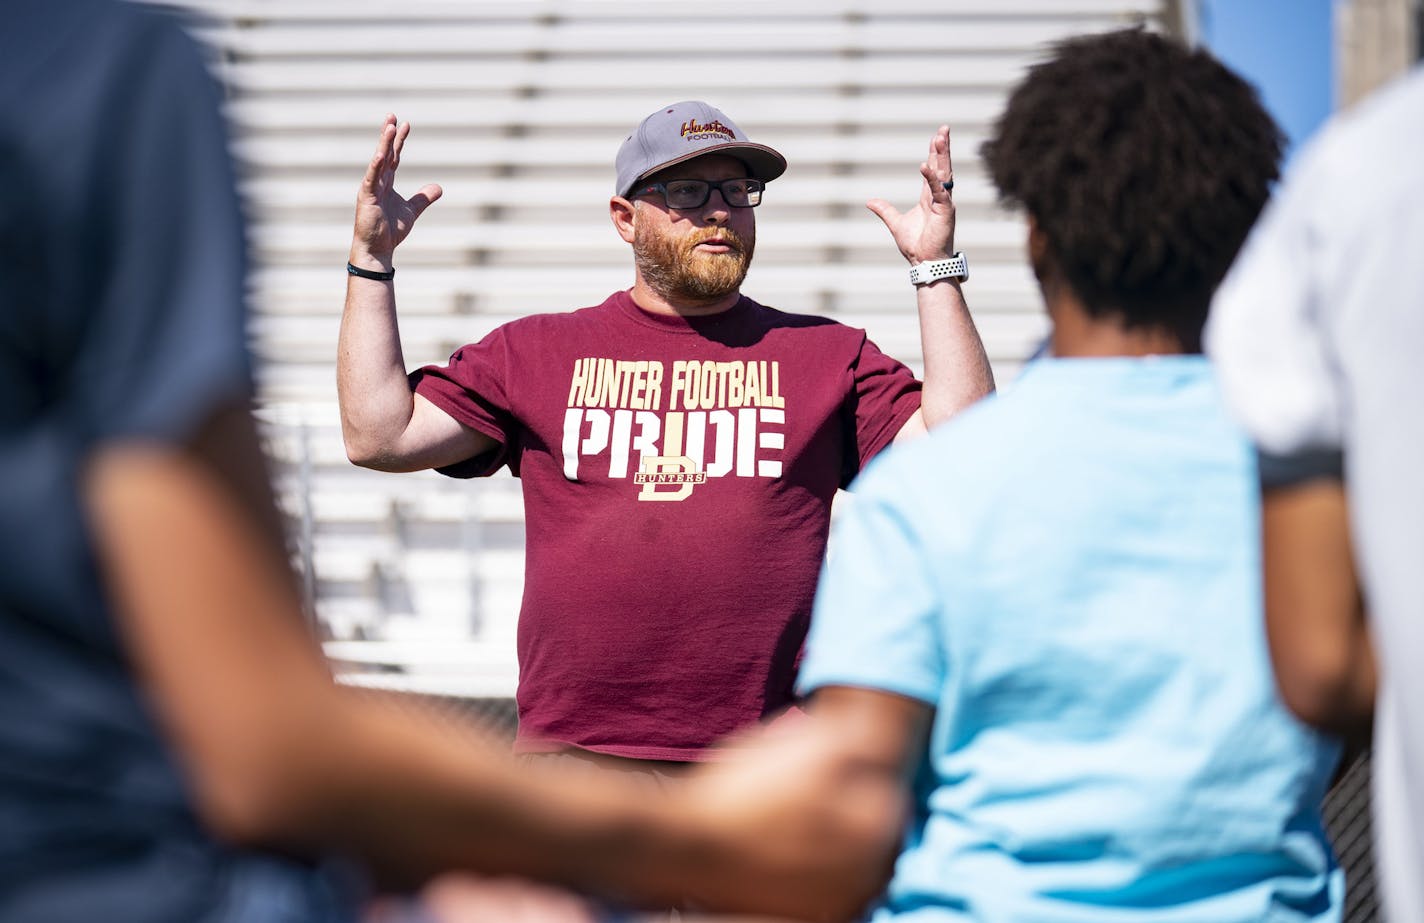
(1317, 334)
(122, 318)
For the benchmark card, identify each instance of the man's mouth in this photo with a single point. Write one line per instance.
(717, 244)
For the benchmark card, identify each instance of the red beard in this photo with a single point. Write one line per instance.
(676, 270)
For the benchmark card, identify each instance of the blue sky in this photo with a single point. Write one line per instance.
(1285, 48)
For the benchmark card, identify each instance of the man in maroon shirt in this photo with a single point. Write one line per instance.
(679, 445)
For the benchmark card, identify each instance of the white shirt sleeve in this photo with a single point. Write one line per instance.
(1268, 333)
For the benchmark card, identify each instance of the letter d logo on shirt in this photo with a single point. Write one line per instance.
(676, 471)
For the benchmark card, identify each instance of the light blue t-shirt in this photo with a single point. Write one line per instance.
(1068, 574)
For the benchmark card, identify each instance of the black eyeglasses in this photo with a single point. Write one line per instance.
(694, 193)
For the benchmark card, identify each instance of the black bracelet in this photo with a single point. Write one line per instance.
(370, 274)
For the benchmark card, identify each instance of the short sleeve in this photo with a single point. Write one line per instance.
(153, 268)
(886, 395)
(474, 389)
(875, 621)
(123, 316)
(1269, 331)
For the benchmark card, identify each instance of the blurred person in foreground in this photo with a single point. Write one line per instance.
(695, 434)
(172, 747)
(1049, 607)
(1316, 332)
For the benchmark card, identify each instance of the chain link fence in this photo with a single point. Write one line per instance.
(1347, 818)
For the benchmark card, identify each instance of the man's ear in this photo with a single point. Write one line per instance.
(623, 214)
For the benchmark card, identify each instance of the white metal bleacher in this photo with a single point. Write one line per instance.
(518, 108)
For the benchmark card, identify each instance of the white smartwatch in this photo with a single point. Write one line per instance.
(956, 267)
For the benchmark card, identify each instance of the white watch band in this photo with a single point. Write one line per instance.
(956, 267)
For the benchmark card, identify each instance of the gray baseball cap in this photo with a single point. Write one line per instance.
(685, 130)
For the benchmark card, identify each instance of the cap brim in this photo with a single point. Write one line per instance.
(763, 163)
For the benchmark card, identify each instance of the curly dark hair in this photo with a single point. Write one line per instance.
(1144, 163)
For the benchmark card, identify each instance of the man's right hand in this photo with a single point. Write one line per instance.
(383, 216)
(384, 424)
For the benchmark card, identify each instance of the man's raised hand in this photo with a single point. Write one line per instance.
(925, 232)
(383, 216)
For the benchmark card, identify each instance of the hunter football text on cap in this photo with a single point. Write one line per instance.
(685, 130)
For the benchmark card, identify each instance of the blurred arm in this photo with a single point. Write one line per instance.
(805, 821)
(279, 755)
(1315, 617)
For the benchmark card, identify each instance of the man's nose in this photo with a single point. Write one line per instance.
(716, 210)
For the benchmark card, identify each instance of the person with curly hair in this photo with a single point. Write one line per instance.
(1045, 616)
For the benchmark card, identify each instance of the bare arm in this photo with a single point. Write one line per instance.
(957, 371)
(385, 425)
(278, 754)
(1320, 640)
(805, 821)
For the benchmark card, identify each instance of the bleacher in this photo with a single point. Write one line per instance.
(518, 109)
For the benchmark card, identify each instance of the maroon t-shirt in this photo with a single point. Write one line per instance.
(678, 476)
